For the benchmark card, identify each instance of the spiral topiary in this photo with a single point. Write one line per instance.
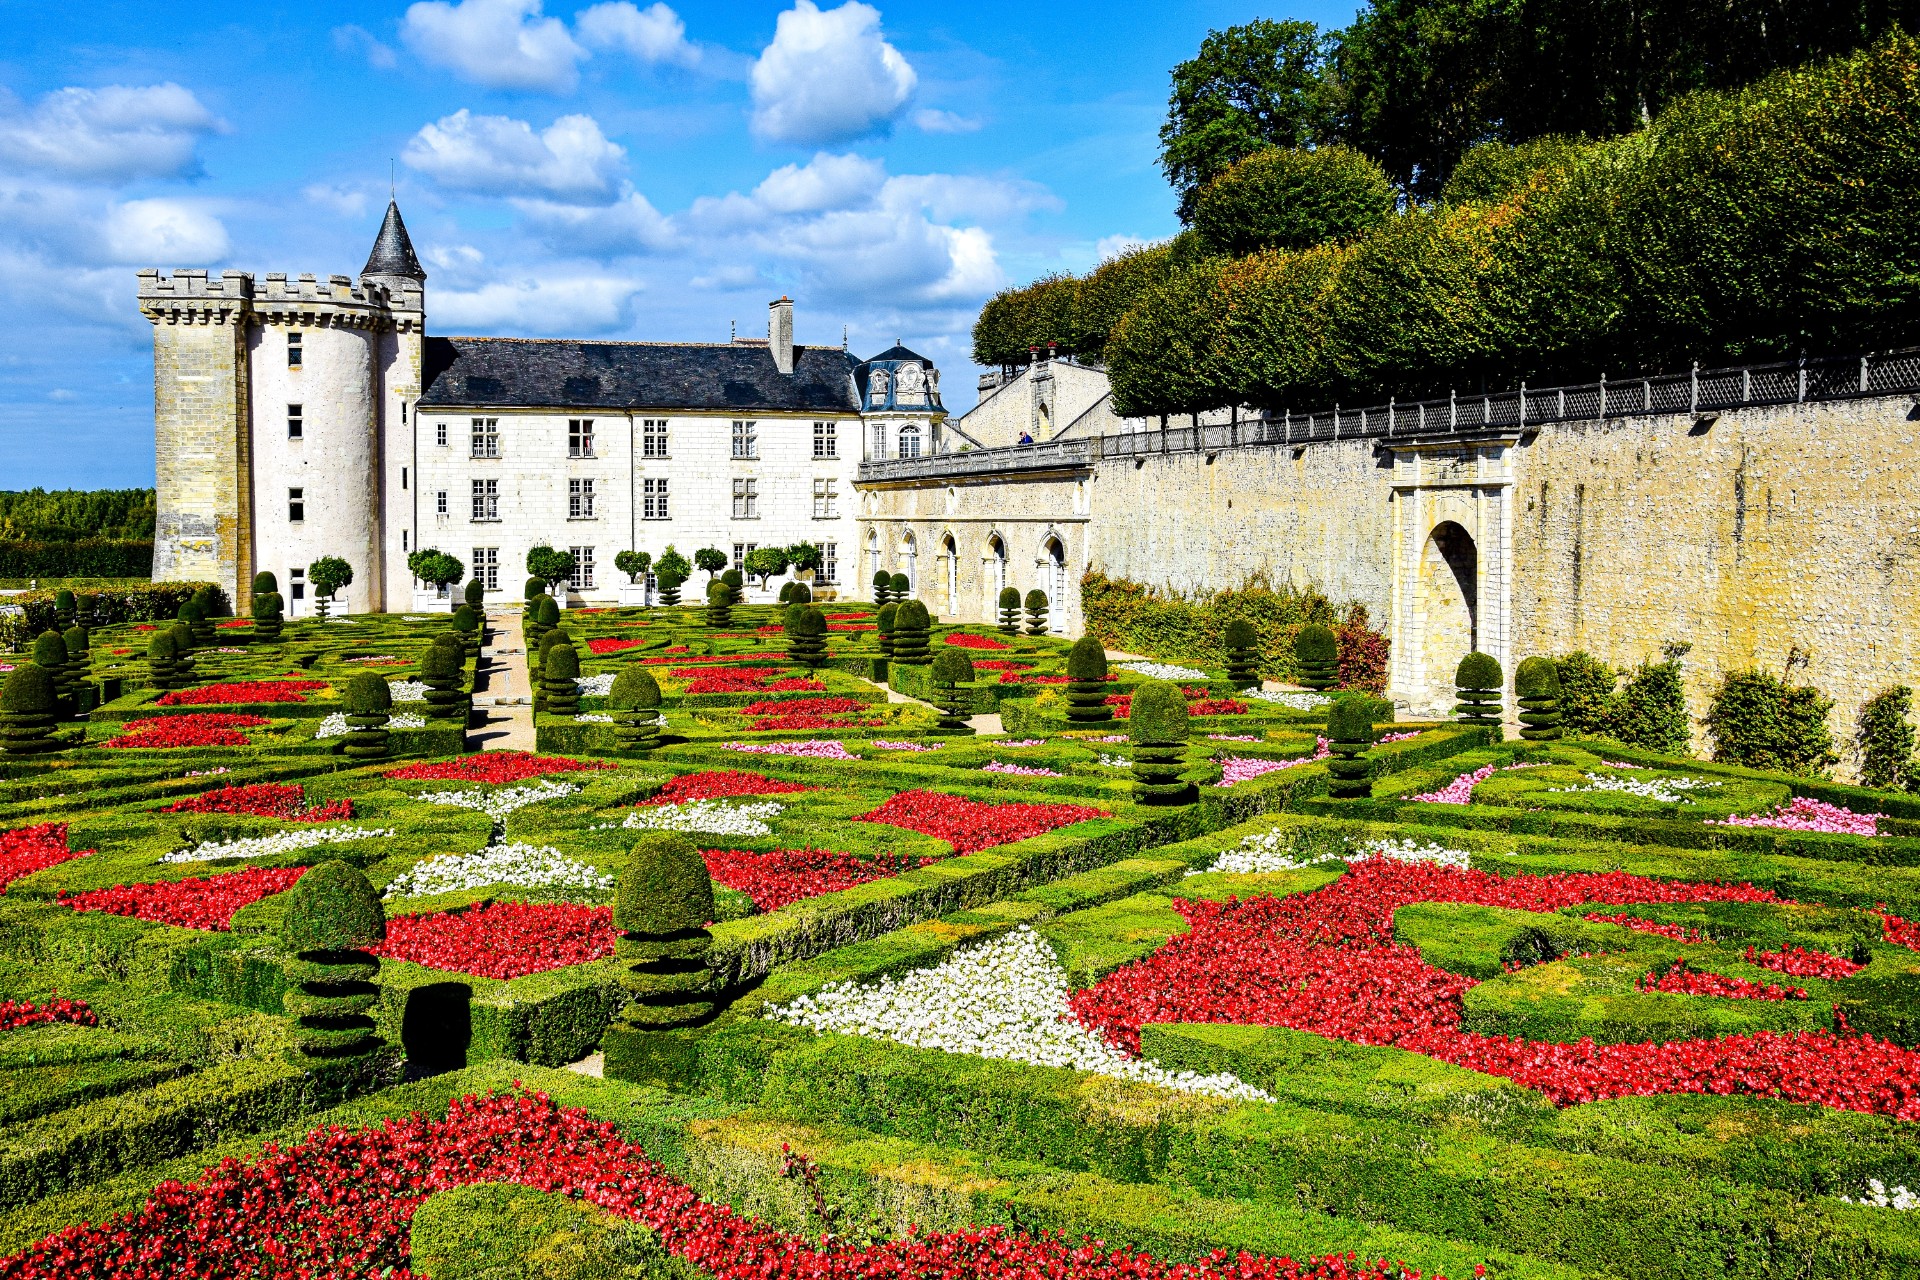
(1243, 653)
(1536, 683)
(63, 608)
(443, 669)
(635, 700)
(269, 613)
(1009, 610)
(29, 703)
(1316, 653)
(736, 586)
(883, 625)
(369, 704)
(806, 630)
(661, 909)
(719, 605)
(1157, 727)
(951, 670)
(466, 624)
(189, 617)
(1478, 681)
(78, 644)
(898, 588)
(559, 672)
(163, 662)
(882, 587)
(912, 644)
(200, 622)
(1087, 690)
(333, 922)
(1349, 738)
(50, 653)
(1036, 612)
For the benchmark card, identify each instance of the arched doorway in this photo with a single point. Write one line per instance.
(950, 552)
(1054, 566)
(1449, 607)
(873, 559)
(906, 564)
(994, 574)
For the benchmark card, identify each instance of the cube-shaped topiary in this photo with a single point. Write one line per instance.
(63, 608)
(1536, 683)
(332, 923)
(882, 587)
(1242, 643)
(29, 703)
(1087, 690)
(1478, 682)
(883, 624)
(443, 669)
(50, 653)
(951, 670)
(1157, 727)
(1009, 609)
(1349, 738)
(912, 642)
(368, 702)
(719, 605)
(1316, 656)
(806, 628)
(559, 676)
(661, 909)
(1036, 612)
(635, 699)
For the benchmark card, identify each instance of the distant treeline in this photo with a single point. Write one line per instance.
(74, 515)
(83, 558)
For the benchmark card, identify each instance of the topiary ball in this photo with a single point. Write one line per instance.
(1240, 635)
(465, 619)
(265, 583)
(664, 888)
(899, 585)
(535, 588)
(911, 615)
(1536, 677)
(1158, 714)
(367, 694)
(951, 666)
(1478, 671)
(1316, 644)
(802, 593)
(333, 907)
(49, 650)
(1087, 660)
(442, 662)
(1036, 600)
(63, 600)
(1350, 720)
(547, 612)
(634, 689)
(885, 620)
(77, 641)
(718, 592)
(1009, 597)
(29, 691)
(162, 648)
(561, 663)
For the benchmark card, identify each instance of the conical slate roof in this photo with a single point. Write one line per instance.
(392, 251)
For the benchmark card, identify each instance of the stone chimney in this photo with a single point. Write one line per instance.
(780, 332)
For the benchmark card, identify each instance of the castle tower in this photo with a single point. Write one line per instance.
(394, 272)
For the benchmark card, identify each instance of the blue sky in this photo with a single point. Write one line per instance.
(612, 169)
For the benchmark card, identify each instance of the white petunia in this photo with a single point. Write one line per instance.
(498, 803)
(408, 690)
(709, 816)
(1665, 790)
(1162, 670)
(1003, 999)
(598, 686)
(280, 842)
(525, 865)
(1294, 701)
(594, 717)
(1268, 851)
(336, 726)
(1878, 1196)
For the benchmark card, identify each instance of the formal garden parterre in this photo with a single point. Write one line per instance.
(1173, 975)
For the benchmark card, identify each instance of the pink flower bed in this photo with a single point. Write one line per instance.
(1237, 769)
(1027, 771)
(812, 749)
(1803, 813)
(1460, 790)
(884, 745)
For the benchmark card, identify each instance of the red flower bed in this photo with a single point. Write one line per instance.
(713, 660)
(744, 680)
(1020, 677)
(192, 729)
(775, 879)
(339, 1204)
(808, 713)
(851, 626)
(1678, 932)
(969, 825)
(716, 783)
(799, 721)
(612, 644)
(493, 767)
(1901, 933)
(502, 939)
(1217, 707)
(264, 800)
(15, 1014)
(1198, 704)
(968, 640)
(26, 850)
(241, 691)
(238, 624)
(1800, 963)
(1000, 664)
(1683, 979)
(847, 617)
(192, 904)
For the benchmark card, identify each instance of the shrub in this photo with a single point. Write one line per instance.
(1537, 686)
(194, 619)
(660, 908)
(333, 922)
(1478, 681)
(443, 671)
(1036, 612)
(1242, 643)
(1349, 738)
(78, 643)
(1586, 693)
(1650, 711)
(719, 605)
(1759, 721)
(1087, 692)
(1883, 739)
(1316, 656)
(466, 625)
(1289, 198)
(268, 614)
(786, 592)
(635, 701)
(736, 586)
(558, 670)
(29, 702)
(163, 662)
(329, 575)
(951, 669)
(546, 616)
(882, 587)
(212, 601)
(63, 607)
(183, 652)
(1157, 727)
(883, 624)
(898, 588)
(533, 589)
(50, 654)
(265, 583)
(911, 635)
(505, 1231)
(802, 593)
(766, 564)
(1009, 609)
(1363, 653)
(806, 628)
(368, 702)
(475, 594)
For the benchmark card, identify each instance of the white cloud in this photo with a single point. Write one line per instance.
(1114, 245)
(653, 34)
(824, 182)
(346, 202)
(502, 44)
(542, 305)
(627, 226)
(828, 76)
(114, 134)
(570, 160)
(163, 232)
(359, 40)
(933, 120)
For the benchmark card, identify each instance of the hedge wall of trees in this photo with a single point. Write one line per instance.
(87, 558)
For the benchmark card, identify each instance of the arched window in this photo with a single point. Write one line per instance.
(910, 441)
(951, 553)
(907, 563)
(1055, 568)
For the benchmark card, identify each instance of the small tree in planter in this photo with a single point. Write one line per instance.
(661, 909)
(911, 625)
(1316, 655)
(1536, 683)
(29, 703)
(163, 661)
(805, 557)
(883, 625)
(766, 564)
(443, 671)
(952, 672)
(719, 605)
(330, 575)
(882, 587)
(63, 608)
(475, 595)
(1087, 694)
(1478, 681)
(1349, 738)
(712, 559)
(466, 624)
(559, 671)
(79, 644)
(549, 564)
(1243, 654)
(635, 564)
(1036, 612)
(1010, 610)
(369, 705)
(438, 570)
(1157, 727)
(333, 922)
(50, 655)
(806, 630)
(635, 699)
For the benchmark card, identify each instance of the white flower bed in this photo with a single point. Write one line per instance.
(408, 690)
(1115, 762)
(599, 686)
(1665, 790)
(336, 726)
(705, 816)
(280, 842)
(1294, 701)
(1879, 1197)
(525, 865)
(1162, 670)
(594, 717)
(1004, 999)
(1265, 852)
(498, 804)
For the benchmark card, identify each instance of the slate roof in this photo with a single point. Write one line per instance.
(542, 373)
(393, 250)
(893, 356)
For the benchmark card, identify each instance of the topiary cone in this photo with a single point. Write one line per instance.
(661, 909)
(951, 670)
(443, 671)
(1536, 684)
(806, 628)
(1316, 655)
(635, 699)
(1009, 610)
(559, 671)
(29, 703)
(1478, 682)
(369, 703)
(1349, 738)
(1157, 727)
(333, 921)
(1087, 687)
(1242, 644)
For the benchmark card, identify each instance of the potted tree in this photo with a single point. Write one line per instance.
(440, 571)
(636, 565)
